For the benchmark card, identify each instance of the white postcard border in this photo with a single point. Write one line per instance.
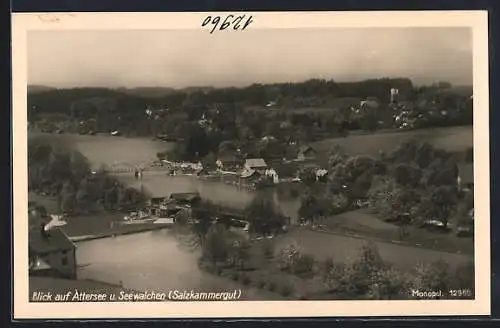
(23, 309)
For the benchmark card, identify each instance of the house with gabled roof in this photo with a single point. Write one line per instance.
(229, 162)
(255, 164)
(50, 249)
(306, 152)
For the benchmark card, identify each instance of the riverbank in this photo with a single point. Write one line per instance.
(123, 230)
(354, 224)
(95, 225)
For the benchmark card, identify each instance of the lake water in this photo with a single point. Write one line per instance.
(152, 261)
(106, 150)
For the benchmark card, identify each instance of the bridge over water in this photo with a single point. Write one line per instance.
(123, 167)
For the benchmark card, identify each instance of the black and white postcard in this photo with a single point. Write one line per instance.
(251, 164)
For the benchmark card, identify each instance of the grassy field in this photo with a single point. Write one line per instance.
(365, 224)
(261, 271)
(343, 248)
(454, 139)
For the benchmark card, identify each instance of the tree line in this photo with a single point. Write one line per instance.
(366, 276)
(304, 112)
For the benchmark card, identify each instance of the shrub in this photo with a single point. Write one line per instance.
(288, 256)
(271, 286)
(208, 267)
(235, 276)
(304, 264)
(268, 248)
(286, 290)
(245, 280)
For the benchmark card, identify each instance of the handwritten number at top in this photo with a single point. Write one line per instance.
(238, 23)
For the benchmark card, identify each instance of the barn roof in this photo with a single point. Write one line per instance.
(49, 241)
(255, 162)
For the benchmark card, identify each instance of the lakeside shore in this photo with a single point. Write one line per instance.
(121, 231)
(103, 225)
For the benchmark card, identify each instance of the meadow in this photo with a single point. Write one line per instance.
(453, 139)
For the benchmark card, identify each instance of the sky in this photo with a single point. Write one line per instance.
(183, 58)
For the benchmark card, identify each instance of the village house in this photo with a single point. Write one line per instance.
(229, 162)
(370, 103)
(321, 175)
(255, 164)
(160, 207)
(306, 152)
(38, 267)
(465, 178)
(51, 252)
(250, 175)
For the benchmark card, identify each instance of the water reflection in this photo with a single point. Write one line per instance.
(152, 261)
(161, 184)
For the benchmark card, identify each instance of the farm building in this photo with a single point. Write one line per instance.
(161, 206)
(250, 174)
(229, 162)
(255, 164)
(306, 152)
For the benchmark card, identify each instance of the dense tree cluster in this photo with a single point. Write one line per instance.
(57, 171)
(370, 277)
(422, 183)
(414, 184)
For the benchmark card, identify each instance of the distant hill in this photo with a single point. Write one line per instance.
(39, 88)
(462, 90)
(196, 89)
(148, 92)
(458, 90)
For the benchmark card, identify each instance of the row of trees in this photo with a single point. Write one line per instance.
(226, 115)
(367, 276)
(370, 277)
(99, 99)
(56, 170)
(261, 213)
(374, 278)
(422, 184)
